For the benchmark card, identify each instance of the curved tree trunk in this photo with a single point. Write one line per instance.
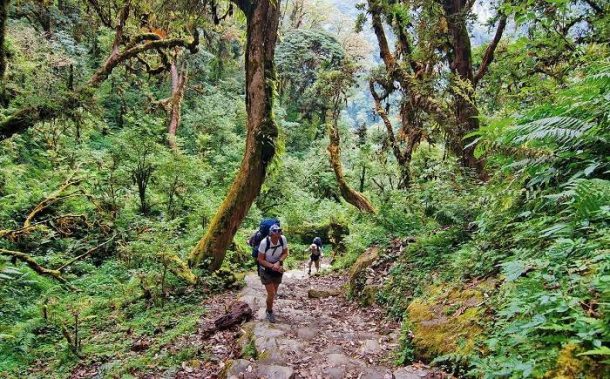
(262, 19)
(350, 195)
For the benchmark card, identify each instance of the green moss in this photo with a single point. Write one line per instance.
(447, 322)
(570, 365)
(357, 276)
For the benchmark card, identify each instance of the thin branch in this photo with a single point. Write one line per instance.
(598, 9)
(88, 252)
(386, 121)
(49, 200)
(405, 45)
(489, 52)
(104, 18)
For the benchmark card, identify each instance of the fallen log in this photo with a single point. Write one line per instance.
(239, 312)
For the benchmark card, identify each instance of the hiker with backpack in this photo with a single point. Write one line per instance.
(272, 252)
(270, 248)
(315, 252)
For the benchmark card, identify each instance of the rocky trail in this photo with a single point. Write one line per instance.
(318, 334)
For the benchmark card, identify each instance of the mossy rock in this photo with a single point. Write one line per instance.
(369, 295)
(448, 322)
(357, 277)
(322, 293)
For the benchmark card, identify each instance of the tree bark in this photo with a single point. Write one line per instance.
(350, 195)
(4, 4)
(179, 78)
(262, 25)
(460, 62)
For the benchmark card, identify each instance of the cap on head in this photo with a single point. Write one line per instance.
(275, 228)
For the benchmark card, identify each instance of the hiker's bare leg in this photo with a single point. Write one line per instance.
(271, 288)
(317, 265)
(310, 262)
(276, 285)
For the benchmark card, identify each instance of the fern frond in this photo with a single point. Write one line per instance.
(589, 195)
(557, 129)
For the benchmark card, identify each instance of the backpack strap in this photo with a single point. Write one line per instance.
(268, 240)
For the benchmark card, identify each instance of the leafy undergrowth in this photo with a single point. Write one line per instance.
(513, 279)
(111, 324)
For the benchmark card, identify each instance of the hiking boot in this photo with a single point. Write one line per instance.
(309, 272)
(270, 317)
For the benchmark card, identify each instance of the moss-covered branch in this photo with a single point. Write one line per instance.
(23, 119)
(55, 274)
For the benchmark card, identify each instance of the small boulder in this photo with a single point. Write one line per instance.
(357, 274)
(411, 372)
(306, 333)
(321, 293)
(236, 367)
(370, 347)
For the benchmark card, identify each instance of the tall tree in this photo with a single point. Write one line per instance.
(465, 79)
(334, 86)
(413, 75)
(262, 17)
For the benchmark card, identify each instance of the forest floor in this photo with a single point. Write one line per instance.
(321, 337)
(325, 336)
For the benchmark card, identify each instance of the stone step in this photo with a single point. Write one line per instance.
(244, 369)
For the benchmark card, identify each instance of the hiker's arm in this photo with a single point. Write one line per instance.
(262, 256)
(262, 261)
(284, 254)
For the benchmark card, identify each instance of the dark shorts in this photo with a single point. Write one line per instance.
(314, 257)
(267, 278)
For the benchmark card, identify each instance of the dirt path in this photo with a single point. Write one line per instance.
(317, 337)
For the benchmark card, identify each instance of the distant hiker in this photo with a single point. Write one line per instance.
(315, 251)
(272, 252)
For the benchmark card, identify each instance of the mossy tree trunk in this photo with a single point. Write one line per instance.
(350, 195)
(3, 19)
(460, 61)
(262, 19)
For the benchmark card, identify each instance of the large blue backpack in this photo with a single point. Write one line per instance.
(262, 232)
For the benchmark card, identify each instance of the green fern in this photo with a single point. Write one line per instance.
(590, 196)
(7, 272)
(564, 131)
